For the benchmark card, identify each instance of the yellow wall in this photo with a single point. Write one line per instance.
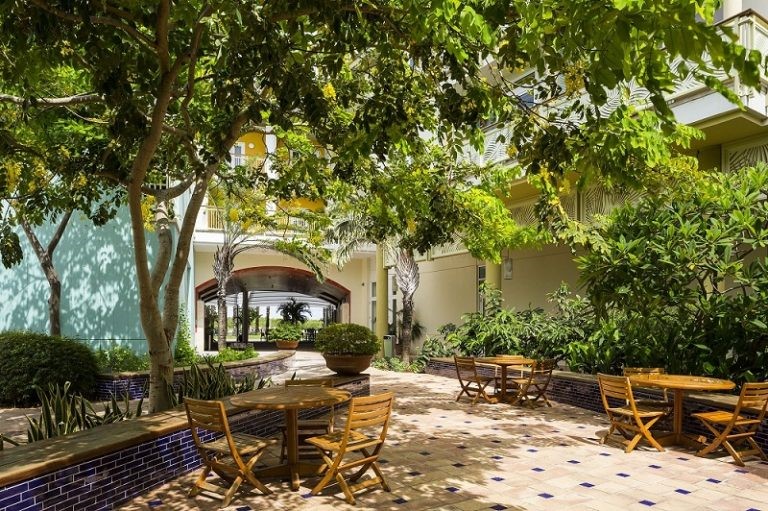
(257, 141)
(536, 273)
(447, 289)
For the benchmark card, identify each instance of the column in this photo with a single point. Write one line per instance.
(246, 317)
(382, 294)
(493, 274)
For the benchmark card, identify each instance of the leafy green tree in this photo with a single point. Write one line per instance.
(181, 81)
(417, 202)
(683, 277)
(293, 311)
(44, 167)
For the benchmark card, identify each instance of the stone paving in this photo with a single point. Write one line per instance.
(455, 456)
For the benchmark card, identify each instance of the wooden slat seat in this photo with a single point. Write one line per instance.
(231, 456)
(633, 422)
(472, 384)
(363, 435)
(729, 428)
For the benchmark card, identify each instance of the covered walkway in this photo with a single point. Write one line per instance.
(453, 456)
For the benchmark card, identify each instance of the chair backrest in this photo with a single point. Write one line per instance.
(368, 412)
(207, 415)
(310, 382)
(754, 396)
(465, 367)
(617, 387)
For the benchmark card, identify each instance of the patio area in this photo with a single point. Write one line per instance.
(454, 456)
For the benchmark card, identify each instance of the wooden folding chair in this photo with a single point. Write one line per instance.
(648, 372)
(308, 427)
(364, 433)
(633, 421)
(226, 456)
(472, 384)
(533, 386)
(731, 427)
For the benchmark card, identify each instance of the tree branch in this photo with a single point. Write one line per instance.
(99, 20)
(77, 99)
(59, 233)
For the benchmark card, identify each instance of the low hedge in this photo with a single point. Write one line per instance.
(28, 359)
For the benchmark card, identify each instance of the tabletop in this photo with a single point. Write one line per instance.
(505, 360)
(291, 397)
(681, 382)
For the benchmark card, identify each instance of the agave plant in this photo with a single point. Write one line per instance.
(213, 382)
(63, 412)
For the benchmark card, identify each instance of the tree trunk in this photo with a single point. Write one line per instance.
(407, 276)
(45, 257)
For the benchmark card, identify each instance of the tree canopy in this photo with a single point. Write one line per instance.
(175, 84)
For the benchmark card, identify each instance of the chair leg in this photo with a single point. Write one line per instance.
(719, 436)
(345, 488)
(197, 488)
(231, 491)
(758, 450)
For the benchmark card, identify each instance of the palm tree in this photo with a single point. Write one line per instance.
(294, 312)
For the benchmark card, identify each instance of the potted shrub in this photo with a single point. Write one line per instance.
(286, 335)
(347, 348)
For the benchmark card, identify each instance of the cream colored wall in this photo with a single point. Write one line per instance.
(354, 277)
(448, 289)
(536, 273)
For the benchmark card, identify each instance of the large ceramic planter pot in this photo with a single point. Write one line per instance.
(347, 365)
(286, 345)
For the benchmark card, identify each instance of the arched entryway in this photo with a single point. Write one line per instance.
(260, 285)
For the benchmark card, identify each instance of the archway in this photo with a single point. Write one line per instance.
(257, 285)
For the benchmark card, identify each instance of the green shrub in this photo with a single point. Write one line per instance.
(31, 359)
(347, 339)
(395, 364)
(184, 354)
(120, 358)
(286, 332)
(230, 355)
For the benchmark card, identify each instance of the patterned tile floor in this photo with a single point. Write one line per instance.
(454, 456)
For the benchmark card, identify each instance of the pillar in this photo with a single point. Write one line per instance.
(382, 294)
(493, 274)
(246, 317)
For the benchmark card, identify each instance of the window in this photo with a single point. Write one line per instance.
(480, 281)
(237, 154)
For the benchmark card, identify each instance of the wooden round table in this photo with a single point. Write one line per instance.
(679, 383)
(291, 399)
(505, 361)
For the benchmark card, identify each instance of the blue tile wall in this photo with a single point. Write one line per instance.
(135, 383)
(107, 481)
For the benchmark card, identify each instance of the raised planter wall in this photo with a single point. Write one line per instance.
(135, 382)
(583, 391)
(101, 468)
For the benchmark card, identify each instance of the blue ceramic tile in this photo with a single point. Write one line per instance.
(537, 469)
(383, 461)
(753, 509)
(496, 441)
(605, 454)
(622, 474)
(546, 495)
(587, 485)
(533, 450)
(713, 480)
(682, 458)
(452, 489)
(574, 462)
(424, 453)
(461, 446)
(244, 508)
(155, 503)
(497, 478)
(741, 471)
(498, 507)
(400, 500)
(459, 465)
(414, 473)
(647, 503)
(307, 495)
(497, 457)
(682, 491)
(654, 466)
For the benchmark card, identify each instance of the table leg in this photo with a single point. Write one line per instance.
(677, 419)
(504, 383)
(292, 433)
